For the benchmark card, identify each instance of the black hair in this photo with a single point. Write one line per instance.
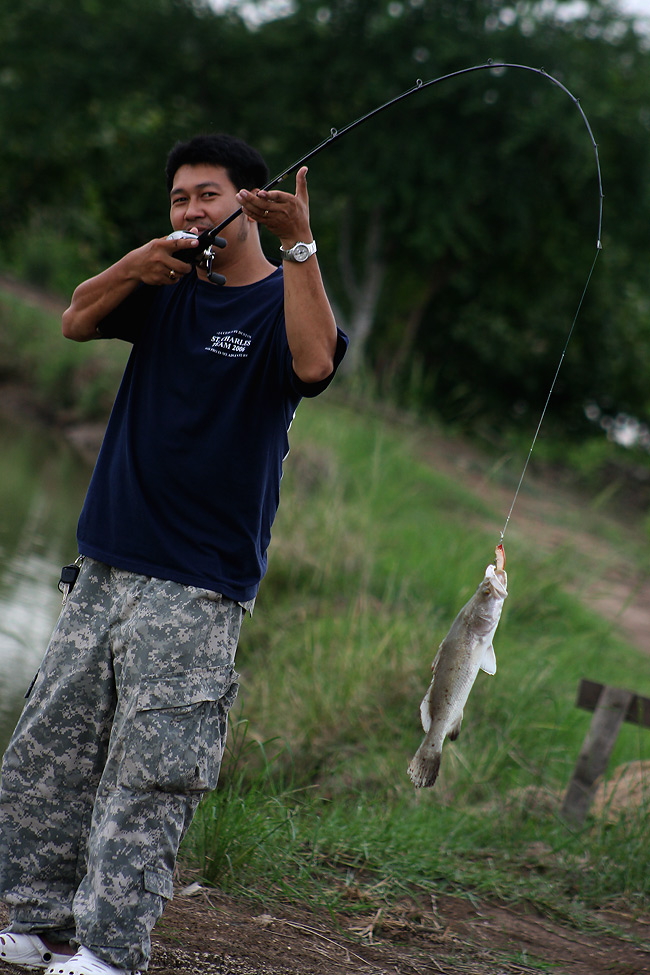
(245, 167)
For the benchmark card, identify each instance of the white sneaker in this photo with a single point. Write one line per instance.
(86, 962)
(27, 951)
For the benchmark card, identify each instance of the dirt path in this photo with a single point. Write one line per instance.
(213, 935)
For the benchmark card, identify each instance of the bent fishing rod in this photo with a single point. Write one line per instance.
(210, 238)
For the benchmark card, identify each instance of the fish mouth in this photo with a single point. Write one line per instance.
(498, 580)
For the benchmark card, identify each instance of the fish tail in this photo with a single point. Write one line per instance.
(424, 768)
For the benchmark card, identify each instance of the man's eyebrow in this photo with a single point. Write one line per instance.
(178, 190)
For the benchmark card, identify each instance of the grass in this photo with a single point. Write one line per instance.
(374, 553)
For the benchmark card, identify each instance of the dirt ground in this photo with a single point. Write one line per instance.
(205, 933)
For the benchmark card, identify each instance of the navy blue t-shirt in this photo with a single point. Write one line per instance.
(187, 482)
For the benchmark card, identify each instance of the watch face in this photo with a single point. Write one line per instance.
(301, 252)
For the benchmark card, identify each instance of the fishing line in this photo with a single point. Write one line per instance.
(599, 247)
(550, 392)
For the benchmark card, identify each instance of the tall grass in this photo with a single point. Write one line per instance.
(374, 553)
(238, 824)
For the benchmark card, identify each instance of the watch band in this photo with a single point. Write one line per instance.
(299, 252)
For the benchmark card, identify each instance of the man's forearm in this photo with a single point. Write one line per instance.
(153, 263)
(310, 323)
(95, 298)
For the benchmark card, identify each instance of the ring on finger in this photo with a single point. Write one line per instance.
(172, 274)
(266, 213)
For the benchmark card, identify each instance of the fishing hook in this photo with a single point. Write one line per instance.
(209, 238)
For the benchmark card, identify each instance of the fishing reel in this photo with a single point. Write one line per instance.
(203, 255)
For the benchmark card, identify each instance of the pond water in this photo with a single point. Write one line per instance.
(42, 486)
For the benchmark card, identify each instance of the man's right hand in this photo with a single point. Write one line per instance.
(154, 263)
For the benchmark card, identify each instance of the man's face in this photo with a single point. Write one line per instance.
(201, 197)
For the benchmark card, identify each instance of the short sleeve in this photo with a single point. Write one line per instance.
(309, 390)
(126, 321)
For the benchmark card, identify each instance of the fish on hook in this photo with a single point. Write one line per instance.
(465, 650)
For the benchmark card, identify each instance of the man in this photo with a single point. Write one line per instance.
(124, 727)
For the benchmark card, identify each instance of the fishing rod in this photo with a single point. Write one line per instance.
(204, 254)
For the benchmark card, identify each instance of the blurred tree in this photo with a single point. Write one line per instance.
(460, 226)
(94, 95)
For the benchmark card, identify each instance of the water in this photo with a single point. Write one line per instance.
(42, 486)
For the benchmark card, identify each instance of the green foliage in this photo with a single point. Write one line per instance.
(66, 381)
(57, 249)
(489, 205)
(95, 94)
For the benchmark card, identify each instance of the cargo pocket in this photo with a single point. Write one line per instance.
(159, 882)
(177, 734)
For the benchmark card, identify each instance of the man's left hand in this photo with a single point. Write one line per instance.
(286, 215)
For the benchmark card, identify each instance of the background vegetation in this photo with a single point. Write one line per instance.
(455, 231)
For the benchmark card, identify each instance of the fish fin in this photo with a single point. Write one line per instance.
(454, 732)
(425, 706)
(423, 771)
(434, 665)
(425, 709)
(489, 661)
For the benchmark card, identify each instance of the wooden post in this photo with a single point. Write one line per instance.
(611, 706)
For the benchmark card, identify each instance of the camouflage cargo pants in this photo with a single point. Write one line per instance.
(122, 734)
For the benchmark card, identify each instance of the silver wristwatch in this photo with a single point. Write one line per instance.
(299, 252)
